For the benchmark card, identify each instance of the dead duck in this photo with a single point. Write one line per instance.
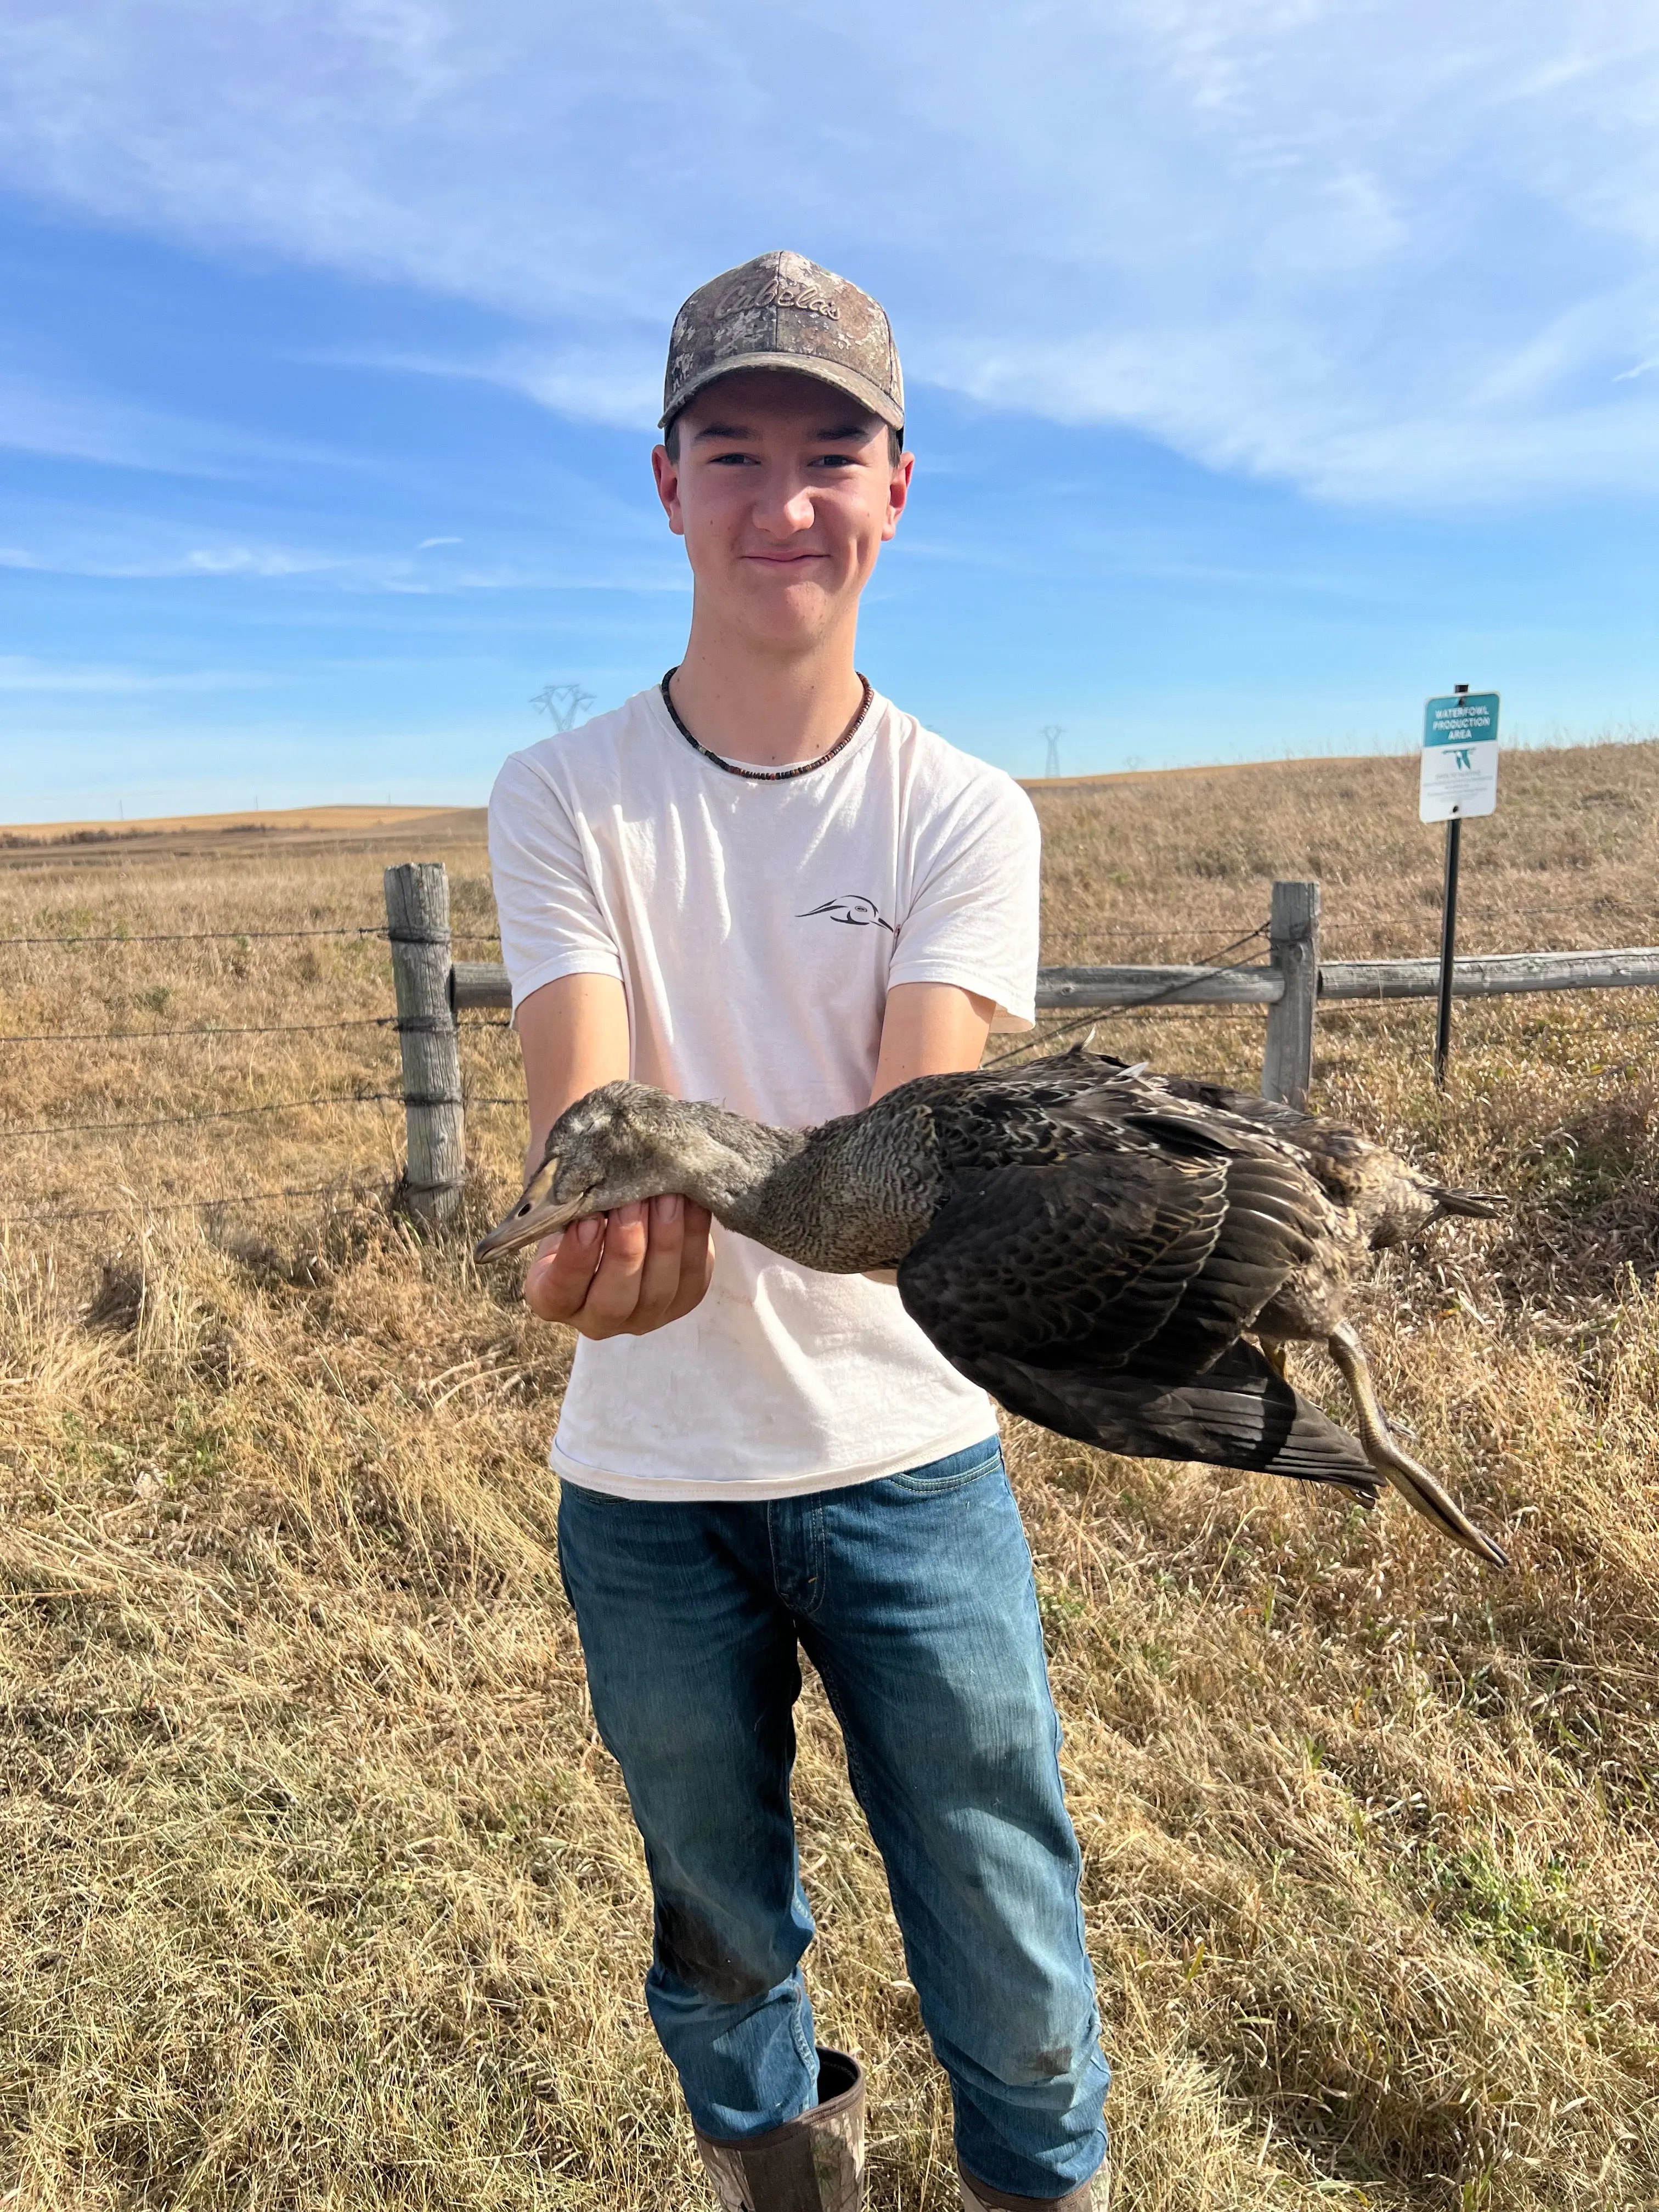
(1094, 1244)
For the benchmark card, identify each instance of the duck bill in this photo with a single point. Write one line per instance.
(537, 1214)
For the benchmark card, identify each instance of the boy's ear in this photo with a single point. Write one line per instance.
(898, 492)
(666, 471)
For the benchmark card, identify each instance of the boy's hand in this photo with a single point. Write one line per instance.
(623, 1273)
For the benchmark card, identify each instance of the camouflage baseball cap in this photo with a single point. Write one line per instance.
(782, 311)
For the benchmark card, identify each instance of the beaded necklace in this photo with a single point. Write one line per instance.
(770, 775)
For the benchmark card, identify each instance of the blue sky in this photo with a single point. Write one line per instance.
(1271, 363)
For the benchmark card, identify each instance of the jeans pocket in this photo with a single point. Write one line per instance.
(954, 1473)
(580, 1494)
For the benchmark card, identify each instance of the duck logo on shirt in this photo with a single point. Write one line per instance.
(856, 912)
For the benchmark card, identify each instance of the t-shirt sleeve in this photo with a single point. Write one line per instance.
(973, 920)
(553, 920)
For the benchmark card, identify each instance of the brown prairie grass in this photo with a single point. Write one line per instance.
(319, 1890)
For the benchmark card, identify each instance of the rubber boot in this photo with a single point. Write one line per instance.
(980, 2197)
(814, 2164)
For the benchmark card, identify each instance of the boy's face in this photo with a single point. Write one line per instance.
(784, 492)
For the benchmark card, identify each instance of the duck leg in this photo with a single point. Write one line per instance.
(1274, 1351)
(1411, 1479)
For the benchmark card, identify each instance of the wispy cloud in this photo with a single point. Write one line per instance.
(18, 672)
(120, 559)
(45, 411)
(618, 383)
(130, 563)
(1382, 253)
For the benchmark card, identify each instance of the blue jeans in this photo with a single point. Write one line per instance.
(913, 1597)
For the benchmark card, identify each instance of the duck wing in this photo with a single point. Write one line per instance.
(1164, 1242)
(1103, 1294)
(1066, 1263)
(1275, 1216)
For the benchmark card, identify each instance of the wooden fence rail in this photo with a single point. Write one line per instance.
(1492, 975)
(1290, 984)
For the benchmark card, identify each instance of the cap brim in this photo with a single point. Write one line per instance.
(850, 380)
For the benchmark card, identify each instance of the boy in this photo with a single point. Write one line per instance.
(761, 883)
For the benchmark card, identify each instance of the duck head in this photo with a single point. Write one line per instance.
(625, 1142)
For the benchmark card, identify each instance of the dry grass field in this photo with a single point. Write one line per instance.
(318, 1889)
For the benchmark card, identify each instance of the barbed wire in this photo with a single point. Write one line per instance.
(1095, 1015)
(1601, 903)
(173, 1204)
(457, 936)
(232, 936)
(1428, 917)
(244, 1112)
(155, 1036)
(1387, 928)
(247, 1029)
(1152, 936)
(187, 936)
(1346, 945)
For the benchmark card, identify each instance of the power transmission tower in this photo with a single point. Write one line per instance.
(1053, 733)
(563, 704)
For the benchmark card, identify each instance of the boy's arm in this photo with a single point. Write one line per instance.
(616, 1274)
(930, 1028)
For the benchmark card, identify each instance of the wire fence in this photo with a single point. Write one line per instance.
(247, 1029)
(209, 1035)
(242, 1113)
(346, 1101)
(1603, 903)
(1241, 951)
(243, 1198)
(233, 936)
(1096, 1015)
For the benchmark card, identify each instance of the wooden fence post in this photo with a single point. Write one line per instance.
(1294, 949)
(417, 916)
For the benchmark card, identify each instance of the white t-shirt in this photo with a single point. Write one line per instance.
(756, 929)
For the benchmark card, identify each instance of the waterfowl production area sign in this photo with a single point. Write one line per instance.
(1459, 757)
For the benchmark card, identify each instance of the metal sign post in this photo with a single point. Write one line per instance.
(1448, 951)
(1459, 779)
